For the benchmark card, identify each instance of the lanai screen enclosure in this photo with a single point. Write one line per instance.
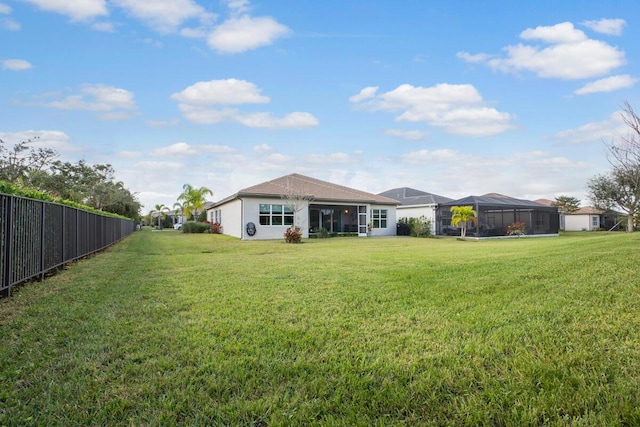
(496, 212)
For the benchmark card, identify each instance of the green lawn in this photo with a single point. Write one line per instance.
(176, 329)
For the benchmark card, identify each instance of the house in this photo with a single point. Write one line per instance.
(415, 204)
(266, 210)
(495, 212)
(587, 218)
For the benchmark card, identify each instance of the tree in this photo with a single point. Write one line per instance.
(18, 162)
(193, 199)
(566, 205)
(160, 209)
(462, 215)
(179, 212)
(296, 198)
(621, 186)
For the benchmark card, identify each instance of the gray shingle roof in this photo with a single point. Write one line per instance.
(495, 199)
(410, 196)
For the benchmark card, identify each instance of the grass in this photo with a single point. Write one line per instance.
(177, 329)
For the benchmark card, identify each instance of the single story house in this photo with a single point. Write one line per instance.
(495, 212)
(266, 210)
(587, 218)
(415, 204)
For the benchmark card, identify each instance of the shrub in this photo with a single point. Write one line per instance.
(418, 227)
(516, 229)
(322, 233)
(293, 235)
(195, 227)
(216, 228)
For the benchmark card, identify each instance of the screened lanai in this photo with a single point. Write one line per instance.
(496, 212)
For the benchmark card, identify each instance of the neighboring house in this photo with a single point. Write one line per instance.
(415, 204)
(265, 211)
(495, 212)
(584, 219)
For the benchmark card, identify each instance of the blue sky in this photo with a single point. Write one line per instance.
(453, 98)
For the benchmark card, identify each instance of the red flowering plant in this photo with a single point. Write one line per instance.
(516, 229)
(293, 235)
(216, 228)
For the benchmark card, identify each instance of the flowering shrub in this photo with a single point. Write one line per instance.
(516, 229)
(216, 228)
(293, 235)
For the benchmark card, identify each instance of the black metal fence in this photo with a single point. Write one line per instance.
(37, 237)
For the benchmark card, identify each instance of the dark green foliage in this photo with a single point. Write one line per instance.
(88, 185)
(418, 227)
(322, 233)
(8, 188)
(195, 227)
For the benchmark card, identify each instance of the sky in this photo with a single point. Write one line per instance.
(455, 98)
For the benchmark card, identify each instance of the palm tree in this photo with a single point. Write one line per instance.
(193, 199)
(462, 215)
(160, 209)
(179, 209)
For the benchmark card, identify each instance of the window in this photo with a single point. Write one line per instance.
(379, 218)
(595, 221)
(276, 215)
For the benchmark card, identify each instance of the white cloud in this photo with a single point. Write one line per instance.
(78, 10)
(5, 9)
(608, 84)
(16, 64)
(366, 93)
(611, 27)
(106, 27)
(330, 159)
(279, 158)
(244, 33)
(295, 120)
(165, 15)
(221, 92)
(570, 54)
(110, 102)
(477, 58)
(422, 156)
(412, 135)
(262, 148)
(459, 109)
(158, 166)
(9, 24)
(57, 140)
(129, 154)
(238, 6)
(184, 149)
(196, 104)
(162, 123)
(606, 130)
(555, 34)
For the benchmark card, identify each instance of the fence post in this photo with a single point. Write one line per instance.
(8, 271)
(42, 241)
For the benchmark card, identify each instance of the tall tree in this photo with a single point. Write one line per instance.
(17, 162)
(620, 188)
(193, 199)
(566, 205)
(462, 215)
